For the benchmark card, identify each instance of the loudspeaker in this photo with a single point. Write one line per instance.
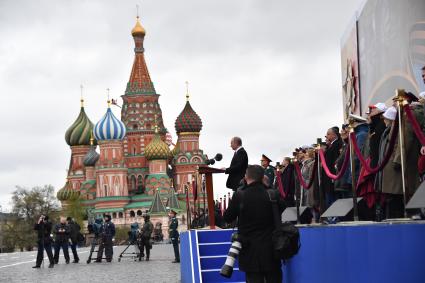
(418, 199)
(290, 215)
(341, 208)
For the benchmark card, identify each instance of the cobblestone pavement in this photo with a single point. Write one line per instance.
(16, 267)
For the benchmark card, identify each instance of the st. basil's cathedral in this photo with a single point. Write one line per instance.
(135, 169)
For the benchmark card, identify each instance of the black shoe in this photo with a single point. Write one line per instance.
(67, 262)
(51, 265)
(75, 261)
(36, 266)
(98, 260)
(176, 261)
(147, 258)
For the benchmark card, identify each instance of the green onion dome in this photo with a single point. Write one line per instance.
(80, 131)
(157, 149)
(188, 120)
(66, 193)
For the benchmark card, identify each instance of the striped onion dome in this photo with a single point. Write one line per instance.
(188, 120)
(91, 157)
(79, 132)
(157, 149)
(109, 127)
(67, 193)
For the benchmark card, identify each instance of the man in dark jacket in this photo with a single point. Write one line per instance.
(238, 164)
(44, 242)
(253, 208)
(334, 144)
(74, 231)
(61, 240)
(147, 230)
(107, 233)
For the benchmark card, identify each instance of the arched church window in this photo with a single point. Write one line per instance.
(132, 214)
(120, 215)
(139, 213)
(134, 150)
(135, 127)
(133, 183)
(114, 215)
(140, 187)
(105, 187)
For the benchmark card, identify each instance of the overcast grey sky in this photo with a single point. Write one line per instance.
(268, 71)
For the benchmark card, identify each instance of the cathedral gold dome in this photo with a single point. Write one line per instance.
(138, 29)
(157, 149)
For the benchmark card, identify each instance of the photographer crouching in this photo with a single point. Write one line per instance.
(252, 207)
(44, 241)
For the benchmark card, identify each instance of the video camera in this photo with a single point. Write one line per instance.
(96, 227)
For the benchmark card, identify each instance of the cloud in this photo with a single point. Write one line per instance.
(268, 71)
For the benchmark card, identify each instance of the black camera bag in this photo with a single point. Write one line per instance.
(285, 237)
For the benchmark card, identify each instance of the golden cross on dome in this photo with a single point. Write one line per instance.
(81, 96)
(187, 90)
(137, 10)
(109, 101)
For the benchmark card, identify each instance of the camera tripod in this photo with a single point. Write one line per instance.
(137, 252)
(95, 242)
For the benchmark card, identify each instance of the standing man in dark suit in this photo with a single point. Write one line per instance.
(334, 145)
(238, 165)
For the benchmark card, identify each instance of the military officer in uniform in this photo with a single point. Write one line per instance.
(268, 169)
(107, 233)
(174, 235)
(147, 230)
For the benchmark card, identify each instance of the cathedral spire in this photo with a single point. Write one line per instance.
(140, 81)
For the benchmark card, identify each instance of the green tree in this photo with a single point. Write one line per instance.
(28, 205)
(75, 209)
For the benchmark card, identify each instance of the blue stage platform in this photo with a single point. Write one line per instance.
(378, 252)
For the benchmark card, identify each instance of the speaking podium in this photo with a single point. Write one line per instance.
(208, 171)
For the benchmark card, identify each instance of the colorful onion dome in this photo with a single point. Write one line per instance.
(109, 127)
(157, 149)
(79, 132)
(138, 29)
(67, 193)
(91, 157)
(188, 120)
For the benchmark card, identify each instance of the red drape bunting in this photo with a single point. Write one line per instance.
(387, 156)
(280, 184)
(343, 168)
(415, 125)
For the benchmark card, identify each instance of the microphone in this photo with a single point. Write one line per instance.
(217, 157)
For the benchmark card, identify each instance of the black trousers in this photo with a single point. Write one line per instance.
(175, 242)
(40, 252)
(264, 277)
(74, 251)
(145, 246)
(64, 246)
(105, 243)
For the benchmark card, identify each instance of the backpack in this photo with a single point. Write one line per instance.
(285, 237)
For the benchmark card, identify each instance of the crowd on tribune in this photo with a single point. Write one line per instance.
(382, 191)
